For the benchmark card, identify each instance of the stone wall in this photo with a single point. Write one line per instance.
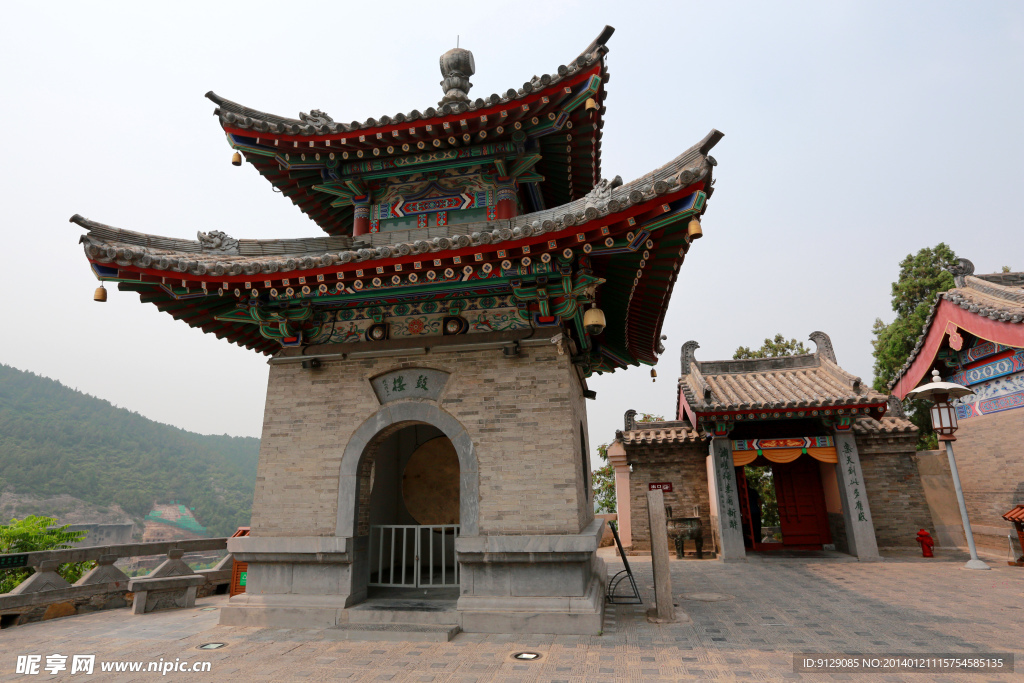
(837, 529)
(584, 487)
(523, 415)
(681, 464)
(937, 482)
(893, 484)
(896, 497)
(66, 608)
(989, 454)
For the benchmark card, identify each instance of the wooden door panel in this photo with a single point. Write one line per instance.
(801, 499)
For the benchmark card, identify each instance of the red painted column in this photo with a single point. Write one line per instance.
(361, 222)
(506, 196)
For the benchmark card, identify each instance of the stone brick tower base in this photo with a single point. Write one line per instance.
(513, 409)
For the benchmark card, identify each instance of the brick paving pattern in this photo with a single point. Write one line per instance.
(748, 621)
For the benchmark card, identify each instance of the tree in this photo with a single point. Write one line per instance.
(922, 276)
(604, 477)
(761, 479)
(604, 488)
(33, 534)
(772, 348)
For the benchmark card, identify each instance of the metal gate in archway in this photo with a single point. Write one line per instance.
(413, 555)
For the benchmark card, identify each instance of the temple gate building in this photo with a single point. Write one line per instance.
(843, 470)
(425, 424)
(974, 336)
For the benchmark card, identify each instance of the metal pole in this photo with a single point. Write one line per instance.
(974, 562)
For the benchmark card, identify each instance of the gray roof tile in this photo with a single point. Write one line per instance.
(782, 383)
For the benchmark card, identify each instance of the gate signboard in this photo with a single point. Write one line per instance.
(665, 486)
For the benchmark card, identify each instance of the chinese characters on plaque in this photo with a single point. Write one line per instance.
(409, 383)
(853, 483)
(725, 492)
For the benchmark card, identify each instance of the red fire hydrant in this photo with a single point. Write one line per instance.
(927, 543)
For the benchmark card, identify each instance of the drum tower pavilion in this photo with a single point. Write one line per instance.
(425, 422)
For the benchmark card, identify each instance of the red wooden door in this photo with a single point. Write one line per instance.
(801, 498)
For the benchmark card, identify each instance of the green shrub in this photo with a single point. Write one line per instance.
(33, 534)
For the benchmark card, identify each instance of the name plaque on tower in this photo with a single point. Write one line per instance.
(409, 383)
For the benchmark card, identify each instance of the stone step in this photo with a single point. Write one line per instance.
(423, 633)
(400, 615)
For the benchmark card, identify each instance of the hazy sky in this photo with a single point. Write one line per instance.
(855, 133)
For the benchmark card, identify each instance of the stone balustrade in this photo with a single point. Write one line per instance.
(46, 595)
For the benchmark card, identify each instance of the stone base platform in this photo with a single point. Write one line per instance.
(474, 614)
(284, 611)
(554, 615)
(544, 584)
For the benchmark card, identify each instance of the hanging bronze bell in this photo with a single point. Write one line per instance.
(591, 104)
(693, 230)
(100, 294)
(236, 159)
(654, 375)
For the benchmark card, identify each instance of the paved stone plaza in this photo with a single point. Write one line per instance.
(749, 621)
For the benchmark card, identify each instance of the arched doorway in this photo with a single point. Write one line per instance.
(393, 435)
(409, 508)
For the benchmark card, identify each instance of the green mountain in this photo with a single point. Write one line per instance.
(56, 440)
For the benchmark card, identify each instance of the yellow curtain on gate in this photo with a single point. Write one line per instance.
(740, 458)
(823, 453)
(784, 455)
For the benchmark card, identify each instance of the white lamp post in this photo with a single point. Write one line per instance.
(944, 422)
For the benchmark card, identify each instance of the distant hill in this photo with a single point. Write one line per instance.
(56, 440)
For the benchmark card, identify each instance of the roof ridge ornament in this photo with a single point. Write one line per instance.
(686, 356)
(896, 407)
(600, 41)
(960, 270)
(315, 118)
(217, 241)
(602, 191)
(824, 346)
(457, 65)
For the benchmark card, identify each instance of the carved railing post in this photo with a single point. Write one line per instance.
(172, 566)
(172, 584)
(103, 572)
(46, 578)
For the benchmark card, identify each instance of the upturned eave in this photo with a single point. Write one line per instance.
(646, 216)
